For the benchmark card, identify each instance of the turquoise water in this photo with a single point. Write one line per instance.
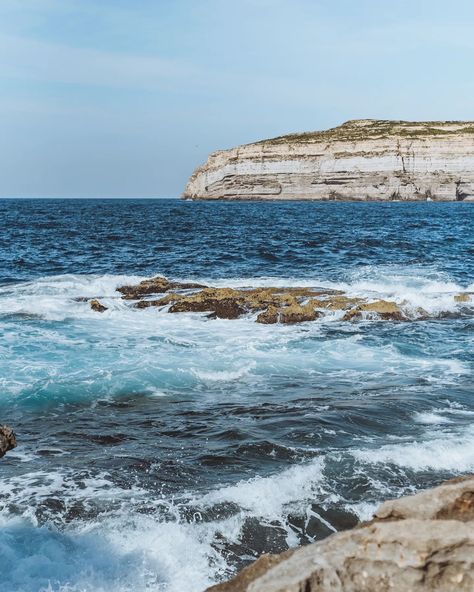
(163, 452)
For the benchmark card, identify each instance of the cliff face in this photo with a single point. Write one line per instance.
(359, 160)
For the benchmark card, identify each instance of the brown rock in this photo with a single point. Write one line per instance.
(156, 285)
(269, 316)
(97, 306)
(273, 305)
(462, 297)
(383, 308)
(224, 303)
(294, 313)
(337, 302)
(7, 440)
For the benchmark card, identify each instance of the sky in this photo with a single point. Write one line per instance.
(124, 98)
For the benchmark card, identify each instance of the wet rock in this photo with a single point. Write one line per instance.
(462, 297)
(97, 306)
(421, 543)
(389, 311)
(337, 302)
(7, 440)
(297, 313)
(229, 303)
(156, 285)
(294, 313)
(271, 304)
(269, 316)
(223, 303)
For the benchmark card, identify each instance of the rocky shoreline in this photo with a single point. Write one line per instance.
(419, 543)
(268, 305)
(361, 160)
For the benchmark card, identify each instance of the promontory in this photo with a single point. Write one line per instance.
(361, 160)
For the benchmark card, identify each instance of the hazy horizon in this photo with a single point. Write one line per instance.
(123, 99)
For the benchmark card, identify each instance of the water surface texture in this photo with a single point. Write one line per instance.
(162, 452)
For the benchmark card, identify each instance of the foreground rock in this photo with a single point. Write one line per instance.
(7, 440)
(419, 543)
(359, 160)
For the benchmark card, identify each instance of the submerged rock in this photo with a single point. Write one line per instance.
(97, 306)
(421, 543)
(7, 440)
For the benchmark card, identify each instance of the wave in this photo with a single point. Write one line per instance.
(440, 451)
(54, 348)
(55, 297)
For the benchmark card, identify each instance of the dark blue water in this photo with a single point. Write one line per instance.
(163, 452)
(219, 240)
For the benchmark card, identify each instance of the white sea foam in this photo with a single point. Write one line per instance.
(430, 418)
(150, 351)
(224, 375)
(448, 451)
(123, 550)
(127, 351)
(54, 297)
(268, 497)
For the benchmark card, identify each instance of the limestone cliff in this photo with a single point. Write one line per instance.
(359, 160)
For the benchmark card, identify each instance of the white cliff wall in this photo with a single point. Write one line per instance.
(360, 160)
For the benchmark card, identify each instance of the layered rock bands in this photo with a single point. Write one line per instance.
(362, 160)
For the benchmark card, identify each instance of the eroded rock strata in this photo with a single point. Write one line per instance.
(421, 543)
(268, 305)
(359, 160)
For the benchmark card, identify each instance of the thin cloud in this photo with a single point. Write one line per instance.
(52, 62)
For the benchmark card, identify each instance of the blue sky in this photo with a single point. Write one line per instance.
(125, 97)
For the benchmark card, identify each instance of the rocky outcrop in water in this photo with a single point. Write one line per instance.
(97, 305)
(421, 543)
(267, 305)
(7, 440)
(359, 160)
(271, 305)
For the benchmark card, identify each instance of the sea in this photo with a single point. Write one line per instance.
(163, 452)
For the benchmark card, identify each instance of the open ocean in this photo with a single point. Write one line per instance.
(162, 452)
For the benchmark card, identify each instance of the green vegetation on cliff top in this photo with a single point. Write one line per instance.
(374, 129)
